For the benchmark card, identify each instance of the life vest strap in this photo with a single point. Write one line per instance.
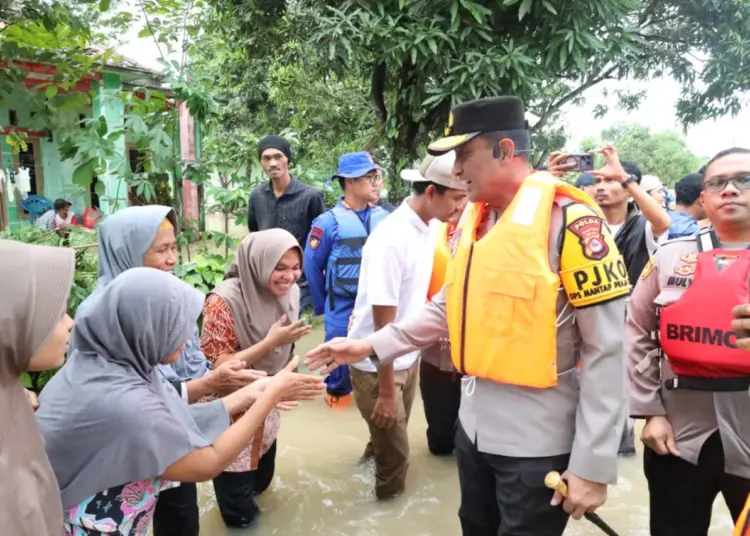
(350, 261)
(694, 383)
(707, 240)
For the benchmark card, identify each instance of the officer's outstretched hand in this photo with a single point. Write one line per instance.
(741, 325)
(583, 496)
(337, 352)
(659, 436)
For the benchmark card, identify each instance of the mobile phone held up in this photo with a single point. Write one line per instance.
(583, 161)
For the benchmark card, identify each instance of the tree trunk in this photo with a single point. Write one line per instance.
(404, 146)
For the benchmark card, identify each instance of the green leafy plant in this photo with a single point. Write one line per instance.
(204, 273)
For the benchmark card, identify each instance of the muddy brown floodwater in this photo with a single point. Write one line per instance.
(319, 489)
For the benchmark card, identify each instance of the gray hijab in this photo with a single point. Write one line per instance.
(34, 286)
(108, 417)
(124, 238)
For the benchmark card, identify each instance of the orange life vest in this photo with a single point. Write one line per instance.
(743, 523)
(502, 294)
(440, 262)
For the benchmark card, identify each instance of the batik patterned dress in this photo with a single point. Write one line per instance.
(219, 337)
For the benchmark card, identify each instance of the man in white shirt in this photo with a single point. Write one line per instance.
(393, 284)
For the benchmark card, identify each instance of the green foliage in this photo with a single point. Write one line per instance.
(84, 280)
(663, 154)
(84, 243)
(405, 63)
(73, 37)
(204, 273)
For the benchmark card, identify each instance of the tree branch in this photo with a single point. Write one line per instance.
(591, 82)
(184, 36)
(150, 29)
(377, 91)
(648, 12)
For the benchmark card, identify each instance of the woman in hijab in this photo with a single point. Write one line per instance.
(34, 328)
(116, 432)
(253, 316)
(145, 236)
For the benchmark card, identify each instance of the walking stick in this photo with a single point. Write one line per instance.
(554, 481)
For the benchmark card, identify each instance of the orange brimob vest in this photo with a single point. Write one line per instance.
(502, 294)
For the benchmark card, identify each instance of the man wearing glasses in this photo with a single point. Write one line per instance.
(689, 374)
(333, 253)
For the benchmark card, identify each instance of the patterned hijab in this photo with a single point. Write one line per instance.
(245, 289)
(35, 283)
(108, 417)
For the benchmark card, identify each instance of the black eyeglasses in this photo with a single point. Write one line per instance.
(717, 185)
(374, 178)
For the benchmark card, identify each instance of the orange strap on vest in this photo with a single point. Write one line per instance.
(502, 294)
(743, 523)
(440, 262)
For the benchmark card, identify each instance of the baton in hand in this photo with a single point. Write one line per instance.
(554, 481)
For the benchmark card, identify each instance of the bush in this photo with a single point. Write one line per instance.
(204, 273)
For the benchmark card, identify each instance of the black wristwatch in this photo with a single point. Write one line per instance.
(632, 179)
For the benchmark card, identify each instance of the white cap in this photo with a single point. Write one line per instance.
(650, 182)
(437, 169)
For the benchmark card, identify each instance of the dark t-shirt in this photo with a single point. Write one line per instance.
(631, 241)
(293, 211)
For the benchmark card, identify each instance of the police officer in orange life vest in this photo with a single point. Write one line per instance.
(534, 287)
(688, 378)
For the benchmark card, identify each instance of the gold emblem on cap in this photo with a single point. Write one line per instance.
(449, 129)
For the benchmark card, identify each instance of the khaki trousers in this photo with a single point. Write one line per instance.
(390, 447)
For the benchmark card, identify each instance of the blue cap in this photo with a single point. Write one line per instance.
(354, 165)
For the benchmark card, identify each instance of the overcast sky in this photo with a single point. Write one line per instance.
(656, 111)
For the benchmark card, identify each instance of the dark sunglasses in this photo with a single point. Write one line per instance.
(717, 185)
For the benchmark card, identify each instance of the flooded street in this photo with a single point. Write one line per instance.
(319, 488)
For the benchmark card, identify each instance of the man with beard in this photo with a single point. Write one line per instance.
(283, 202)
(636, 226)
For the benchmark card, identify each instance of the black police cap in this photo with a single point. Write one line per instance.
(469, 119)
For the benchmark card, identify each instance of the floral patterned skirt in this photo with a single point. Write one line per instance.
(120, 511)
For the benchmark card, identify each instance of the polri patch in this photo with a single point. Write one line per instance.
(316, 235)
(588, 229)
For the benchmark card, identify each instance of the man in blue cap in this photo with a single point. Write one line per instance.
(333, 253)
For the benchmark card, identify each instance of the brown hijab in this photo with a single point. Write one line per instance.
(245, 289)
(34, 287)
